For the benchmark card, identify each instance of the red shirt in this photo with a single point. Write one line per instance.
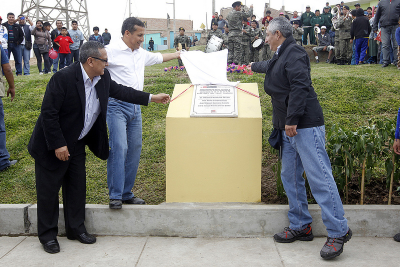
(64, 42)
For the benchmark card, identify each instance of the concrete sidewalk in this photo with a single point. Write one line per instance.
(176, 251)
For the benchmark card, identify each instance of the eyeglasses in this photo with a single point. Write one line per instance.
(104, 60)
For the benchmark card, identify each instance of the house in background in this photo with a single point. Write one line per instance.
(162, 32)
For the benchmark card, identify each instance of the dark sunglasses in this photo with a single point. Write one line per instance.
(104, 60)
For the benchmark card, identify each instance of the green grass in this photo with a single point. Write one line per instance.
(349, 95)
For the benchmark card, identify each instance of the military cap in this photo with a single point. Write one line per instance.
(237, 3)
(357, 4)
(214, 23)
(181, 29)
(296, 22)
(326, 7)
(346, 7)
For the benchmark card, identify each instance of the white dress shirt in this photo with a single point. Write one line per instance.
(92, 105)
(126, 66)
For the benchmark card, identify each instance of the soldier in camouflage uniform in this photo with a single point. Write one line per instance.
(297, 32)
(255, 34)
(345, 44)
(218, 33)
(182, 39)
(235, 31)
(337, 47)
(267, 54)
(245, 43)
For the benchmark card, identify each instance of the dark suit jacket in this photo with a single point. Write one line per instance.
(62, 115)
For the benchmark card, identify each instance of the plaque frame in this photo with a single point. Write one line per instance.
(213, 111)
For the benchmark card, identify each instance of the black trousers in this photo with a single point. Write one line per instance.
(71, 175)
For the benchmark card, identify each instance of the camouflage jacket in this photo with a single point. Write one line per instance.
(246, 36)
(298, 33)
(235, 21)
(344, 26)
(255, 32)
(217, 33)
(184, 40)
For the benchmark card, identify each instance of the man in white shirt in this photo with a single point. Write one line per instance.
(126, 62)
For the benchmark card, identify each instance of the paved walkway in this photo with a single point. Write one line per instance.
(175, 251)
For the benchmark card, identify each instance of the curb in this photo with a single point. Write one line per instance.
(201, 220)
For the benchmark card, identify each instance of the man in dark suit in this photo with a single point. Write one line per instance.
(73, 115)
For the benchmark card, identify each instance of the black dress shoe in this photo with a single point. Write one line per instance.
(115, 204)
(84, 238)
(51, 246)
(134, 200)
(384, 65)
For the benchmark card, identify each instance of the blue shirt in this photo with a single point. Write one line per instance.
(77, 37)
(397, 134)
(398, 36)
(4, 57)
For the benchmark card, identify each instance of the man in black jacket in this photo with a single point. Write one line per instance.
(360, 29)
(297, 116)
(73, 115)
(387, 16)
(15, 38)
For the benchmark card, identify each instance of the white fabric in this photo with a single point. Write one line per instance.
(126, 66)
(207, 68)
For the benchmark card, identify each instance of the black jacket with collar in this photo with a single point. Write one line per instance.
(62, 115)
(18, 33)
(288, 82)
(387, 14)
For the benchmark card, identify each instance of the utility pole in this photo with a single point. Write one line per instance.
(173, 3)
(130, 11)
(213, 7)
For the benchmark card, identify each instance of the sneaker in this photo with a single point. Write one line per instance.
(288, 235)
(397, 237)
(327, 61)
(134, 200)
(334, 246)
(115, 204)
(40, 73)
(317, 61)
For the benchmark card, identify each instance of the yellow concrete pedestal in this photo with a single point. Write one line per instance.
(214, 159)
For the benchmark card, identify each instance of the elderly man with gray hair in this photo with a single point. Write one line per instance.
(299, 132)
(73, 115)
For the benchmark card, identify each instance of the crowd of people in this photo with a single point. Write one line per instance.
(16, 39)
(109, 83)
(353, 37)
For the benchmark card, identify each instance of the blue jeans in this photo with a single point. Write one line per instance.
(26, 56)
(306, 152)
(55, 62)
(65, 60)
(4, 155)
(74, 55)
(124, 122)
(16, 51)
(389, 40)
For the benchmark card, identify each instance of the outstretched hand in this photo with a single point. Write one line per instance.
(160, 98)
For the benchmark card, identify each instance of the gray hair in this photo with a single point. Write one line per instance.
(90, 49)
(281, 24)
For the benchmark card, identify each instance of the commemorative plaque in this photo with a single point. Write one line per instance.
(214, 101)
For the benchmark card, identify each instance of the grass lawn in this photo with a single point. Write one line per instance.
(349, 95)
